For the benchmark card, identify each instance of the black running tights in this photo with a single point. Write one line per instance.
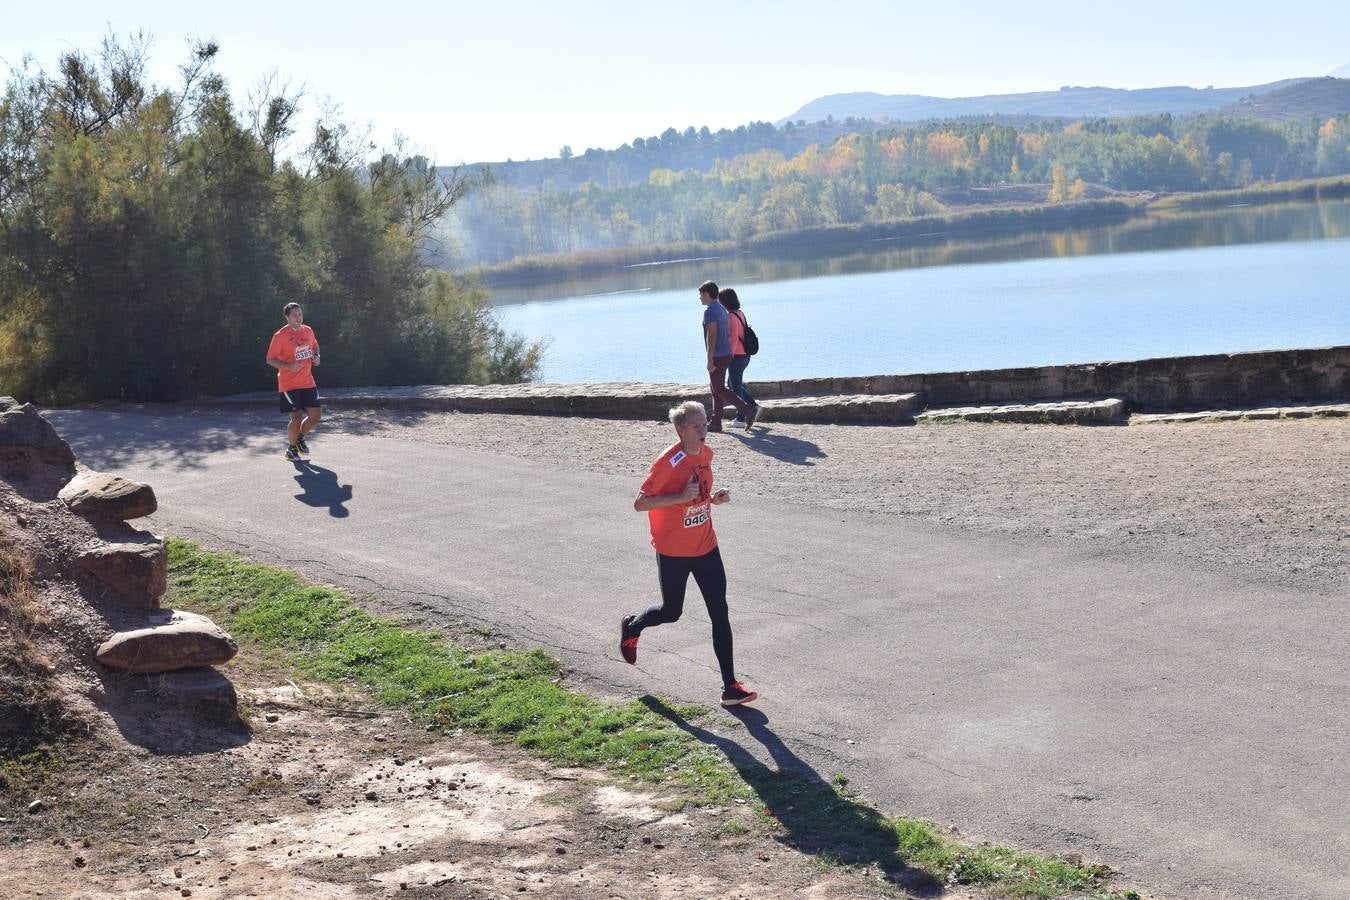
(711, 577)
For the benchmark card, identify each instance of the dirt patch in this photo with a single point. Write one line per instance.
(324, 802)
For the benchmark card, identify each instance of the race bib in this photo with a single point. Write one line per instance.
(695, 516)
(303, 353)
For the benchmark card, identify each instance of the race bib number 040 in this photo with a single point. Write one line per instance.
(696, 516)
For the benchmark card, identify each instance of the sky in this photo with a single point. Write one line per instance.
(484, 82)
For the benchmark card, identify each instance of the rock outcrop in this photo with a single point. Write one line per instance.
(23, 428)
(203, 694)
(171, 640)
(93, 598)
(97, 495)
(133, 575)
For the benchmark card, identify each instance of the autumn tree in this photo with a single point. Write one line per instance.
(1059, 184)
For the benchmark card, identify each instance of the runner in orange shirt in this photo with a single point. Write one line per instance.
(293, 352)
(678, 498)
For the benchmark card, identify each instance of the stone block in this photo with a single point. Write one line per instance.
(1001, 390)
(1215, 389)
(1062, 413)
(202, 694)
(1117, 379)
(954, 387)
(889, 408)
(23, 427)
(108, 496)
(170, 640)
(1050, 382)
(1306, 381)
(1266, 383)
(134, 574)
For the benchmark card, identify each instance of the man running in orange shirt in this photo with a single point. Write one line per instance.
(294, 352)
(678, 499)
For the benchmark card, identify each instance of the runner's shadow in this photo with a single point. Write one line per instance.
(780, 446)
(818, 819)
(321, 488)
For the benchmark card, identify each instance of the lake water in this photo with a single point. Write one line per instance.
(1252, 278)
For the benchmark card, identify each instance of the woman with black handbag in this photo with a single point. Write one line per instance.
(744, 344)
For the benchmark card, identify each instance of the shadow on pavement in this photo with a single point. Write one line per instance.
(817, 819)
(181, 436)
(110, 440)
(321, 488)
(779, 446)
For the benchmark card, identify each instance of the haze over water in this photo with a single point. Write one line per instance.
(1228, 280)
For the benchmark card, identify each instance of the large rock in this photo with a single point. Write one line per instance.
(203, 694)
(23, 427)
(108, 496)
(172, 640)
(135, 574)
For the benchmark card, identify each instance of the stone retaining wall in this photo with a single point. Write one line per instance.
(1180, 382)
(1218, 380)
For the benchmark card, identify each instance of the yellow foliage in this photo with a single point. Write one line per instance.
(760, 164)
(814, 162)
(945, 148)
(784, 207)
(844, 159)
(808, 161)
(896, 151)
(1031, 144)
(890, 202)
(1059, 184)
(662, 178)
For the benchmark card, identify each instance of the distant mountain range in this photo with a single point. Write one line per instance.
(1070, 102)
(830, 117)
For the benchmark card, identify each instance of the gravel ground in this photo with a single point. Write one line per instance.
(1268, 498)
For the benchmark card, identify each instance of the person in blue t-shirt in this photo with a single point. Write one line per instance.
(717, 341)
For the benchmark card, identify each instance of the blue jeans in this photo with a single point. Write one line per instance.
(735, 376)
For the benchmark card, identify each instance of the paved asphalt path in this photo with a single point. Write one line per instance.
(1182, 725)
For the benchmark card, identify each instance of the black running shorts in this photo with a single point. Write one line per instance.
(299, 399)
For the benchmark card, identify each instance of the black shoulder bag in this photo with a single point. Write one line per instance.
(749, 340)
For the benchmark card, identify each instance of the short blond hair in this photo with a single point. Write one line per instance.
(678, 414)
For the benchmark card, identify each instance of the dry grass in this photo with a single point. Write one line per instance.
(31, 711)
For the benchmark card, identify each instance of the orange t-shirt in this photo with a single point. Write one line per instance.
(684, 529)
(294, 345)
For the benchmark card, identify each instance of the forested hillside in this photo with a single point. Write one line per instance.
(1317, 98)
(693, 148)
(883, 175)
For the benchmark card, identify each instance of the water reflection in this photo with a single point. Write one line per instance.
(1173, 230)
(1175, 284)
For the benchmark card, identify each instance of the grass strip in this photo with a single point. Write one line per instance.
(518, 696)
(1308, 190)
(815, 239)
